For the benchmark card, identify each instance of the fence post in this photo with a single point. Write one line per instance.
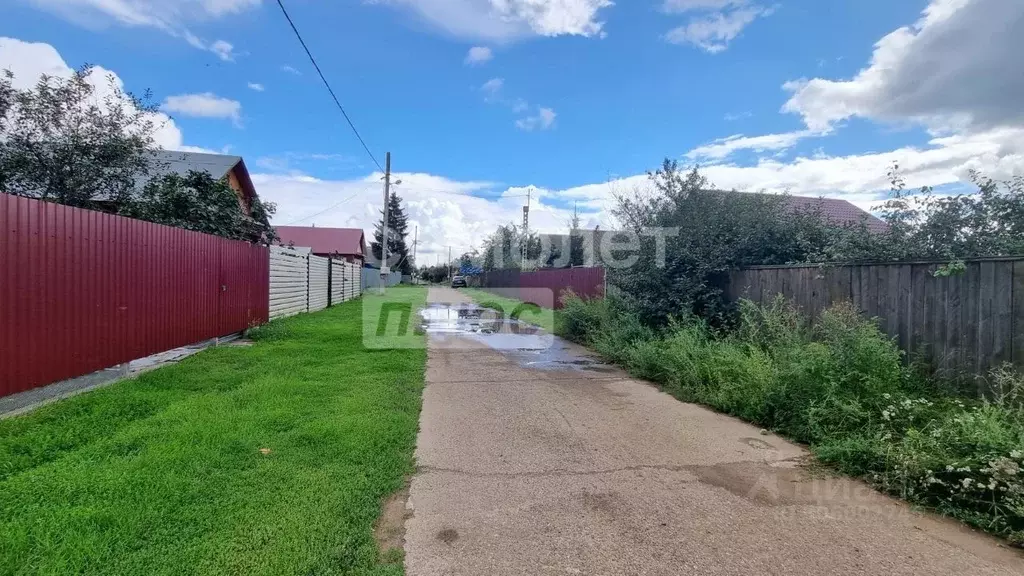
(330, 282)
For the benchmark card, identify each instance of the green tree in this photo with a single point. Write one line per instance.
(61, 143)
(201, 203)
(714, 232)
(398, 229)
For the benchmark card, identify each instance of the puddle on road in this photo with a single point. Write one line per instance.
(525, 343)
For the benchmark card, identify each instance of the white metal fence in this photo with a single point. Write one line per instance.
(319, 283)
(345, 283)
(301, 282)
(289, 281)
(371, 278)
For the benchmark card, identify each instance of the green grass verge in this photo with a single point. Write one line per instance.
(546, 319)
(164, 474)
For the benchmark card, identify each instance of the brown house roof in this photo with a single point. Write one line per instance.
(836, 210)
(340, 241)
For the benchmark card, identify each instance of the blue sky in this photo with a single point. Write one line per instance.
(576, 98)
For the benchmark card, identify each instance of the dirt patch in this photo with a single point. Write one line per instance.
(389, 531)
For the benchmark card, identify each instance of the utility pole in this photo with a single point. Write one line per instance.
(415, 241)
(384, 271)
(449, 263)
(526, 228)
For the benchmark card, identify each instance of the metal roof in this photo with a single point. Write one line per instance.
(341, 241)
(176, 162)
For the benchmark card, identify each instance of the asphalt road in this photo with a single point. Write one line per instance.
(536, 459)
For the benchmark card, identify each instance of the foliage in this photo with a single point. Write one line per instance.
(715, 231)
(842, 387)
(62, 142)
(398, 228)
(198, 202)
(111, 481)
(925, 225)
(434, 274)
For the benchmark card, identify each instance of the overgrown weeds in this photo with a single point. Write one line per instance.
(843, 387)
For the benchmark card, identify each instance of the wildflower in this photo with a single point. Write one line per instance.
(966, 482)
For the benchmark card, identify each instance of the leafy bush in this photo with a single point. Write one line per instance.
(843, 388)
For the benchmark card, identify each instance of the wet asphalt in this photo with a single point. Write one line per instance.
(534, 457)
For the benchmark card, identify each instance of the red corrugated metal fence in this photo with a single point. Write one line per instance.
(584, 282)
(81, 290)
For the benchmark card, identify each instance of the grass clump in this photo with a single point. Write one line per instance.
(265, 459)
(843, 387)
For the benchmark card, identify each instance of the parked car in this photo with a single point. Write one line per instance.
(459, 282)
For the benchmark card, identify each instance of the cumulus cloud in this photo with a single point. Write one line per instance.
(954, 72)
(205, 105)
(719, 23)
(478, 55)
(172, 17)
(956, 68)
(508, 20)
(446, 211)
(29, 60)
(256, 86)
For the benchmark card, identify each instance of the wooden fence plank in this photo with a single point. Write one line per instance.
(1002, 313)
(1017, 337)
(986, 289)
(962, 324)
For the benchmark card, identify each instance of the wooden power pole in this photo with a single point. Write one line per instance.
(386, 233)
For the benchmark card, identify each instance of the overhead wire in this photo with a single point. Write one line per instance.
(328, 85)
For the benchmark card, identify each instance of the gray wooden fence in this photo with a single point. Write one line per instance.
(962, 324)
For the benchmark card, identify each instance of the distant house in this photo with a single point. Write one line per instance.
(836, 211)
(347, 243)
(218, 165)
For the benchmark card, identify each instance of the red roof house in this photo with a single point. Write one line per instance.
(348, 243)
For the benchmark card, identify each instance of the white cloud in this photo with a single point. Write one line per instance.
(713, 32)
(28, 60)
(223, 50)
(724, 147)
(492, 89)
(257, 87)
(170, 16)
(220, 48)
(290, 70)
(956, 68)
(445, 210)
(542, 120)
(681, 6)
(163, 14)
(205, 105)
(954, 71)
(507, 20)
(478, 55)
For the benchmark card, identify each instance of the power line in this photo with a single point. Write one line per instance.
(328, 85)
(329, 208)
